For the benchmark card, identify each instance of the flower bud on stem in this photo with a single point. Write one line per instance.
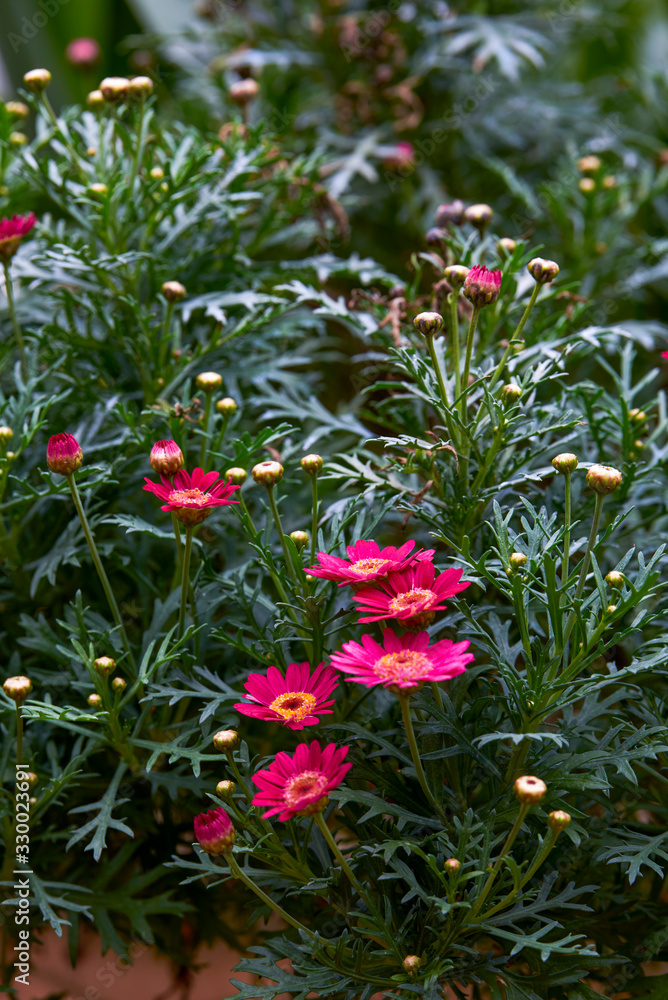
(510, 839)
(18, 333)
(185, 578)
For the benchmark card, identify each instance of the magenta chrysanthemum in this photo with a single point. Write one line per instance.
(367, 562)
(412, 596)
(12, 232)
(296, 699)
(299, 785)
(192, 497)
(405, 662)
(481, 286)
(214, 831)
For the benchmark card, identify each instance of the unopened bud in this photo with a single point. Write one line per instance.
(542, 270)
(412, 964)
(227, 406)
(267, 473)
(166, 458)
(6, 434)
(208, 381)
(482, 286)
(17, 688)
(530, 789)
(511, 393)
(118, 685)
(456, 274)
(506, 246)
(95, 99)
(63, 454)
(479, 216)
(604, 479)
(300, 538)
(611, 608)
(141, 86)
(589, 164)
(452, 212)
(237, 475)
(37, 80)
(105, 665)
(639, 444)
(242, 92)
(17, 109)
(98, 188)
(566, 462)
(31, 778)
(428, 323)
(225, 789)
(452, 866)
(311, 464)
(637, 416)
(558, 820)
(517, 560)
(157, 173)
(18, 138)
(94, 700)
(173, 291)
(609, 182)
(587, 185)
(226, 740)
(615, 579)
(115, 88)
(435, 237)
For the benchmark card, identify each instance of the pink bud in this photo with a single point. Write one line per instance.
(214, 831)
(63, 454)
(166, 457)
(482, 285)
(84, 53)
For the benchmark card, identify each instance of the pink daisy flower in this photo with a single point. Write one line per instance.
(366, 562)
(192, 497)
(12, 232)
(296, 700)
(299, 785)
(405, 662)
(214, 831)
(412, 597)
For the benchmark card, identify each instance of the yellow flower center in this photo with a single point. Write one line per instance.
(405, 665)
(403, 602)
(294, 705)
(189, 498)
(304, 785)
(365, 567)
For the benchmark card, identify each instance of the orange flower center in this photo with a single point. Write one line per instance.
(189, 498)
(366, 567)
(403, 602)
(294, 705)
(407, 664)
(304, 786)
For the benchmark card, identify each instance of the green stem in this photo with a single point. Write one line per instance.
(165, 338)
(140, 150)
(19, 738)
(221, 434)
(467, 362)
(104, 580)
(404, 700)
(598, 506)
(54, 121)
(185, 576)
(442, 391)
(334, 847)
(454, 335)
(545, 850)
(436, 691)
(515, 337)
(524, 808)
(205, 430)
(314, 518)
(18, 333)
(279, 527)
(241, 875)
(567, 528)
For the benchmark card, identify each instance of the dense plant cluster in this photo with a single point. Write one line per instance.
(332, 587)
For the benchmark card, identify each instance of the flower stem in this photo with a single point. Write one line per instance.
(205, 430)
(598, 506)
(334, 847)
(104, 580)
(314, 520)
(542, 855)
(524, 808)
(467, 361)
(165, 337)
(515, 337)
(18, 333)
(185, 575)
(19, 737)
(279, 527)
(442, 391)
(404, 701)
(248, 881)
(567, 528)
(454, 336)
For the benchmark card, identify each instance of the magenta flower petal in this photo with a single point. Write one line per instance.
(412, 596)
(404, 662)
(300, 786)
(295, 700)
(366, 562)
(188, 496)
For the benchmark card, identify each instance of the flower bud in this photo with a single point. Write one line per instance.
(611, 608)
(434, 237)
(637, 416)
(604, 479)
(115, 88)
(609, 182)
(479, 216)
(586, 185)
(173, 291)
(10, 456)
(6, 434)
(225, 789)
(226, 740)
(506, 246)
(530, 789)
(105, 665)
(517, 560)
(228, 407)
(566, 462)
(511, 393)
(237, 475)
(157, 173)
(453, 212)
(63, 454)
(98, 188)
(456, 274)
(482, 286)
(428, 323)
(267, 473)
(615, 579)
(141, 86)
(94, 700)
(166, 457)
(214, 831)
(589, 164)
(311, 464)
(452, 866)
(300, 538)
(17, 109)
(542, 270)
(412, 964)
(18, 138)
(639, 444)
(242, 92)
(17, 688)
(95, 99)
(208, 381)
(118, 685)
(37, 80)
(91, 151)
(83, 53)
(558, 820)
(31, 778)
